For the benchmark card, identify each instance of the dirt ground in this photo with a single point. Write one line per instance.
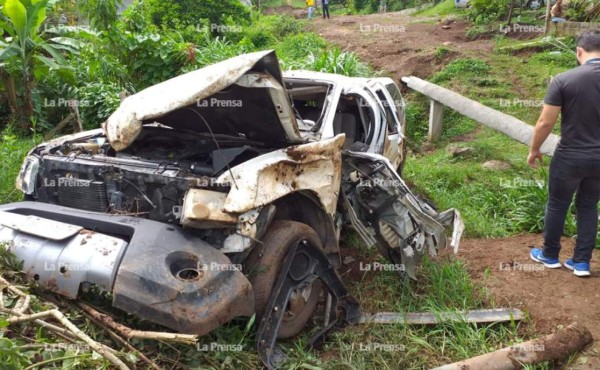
(404, 46)
(400, 44)
(553, 297)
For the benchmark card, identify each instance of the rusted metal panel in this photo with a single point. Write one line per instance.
(204, 209)
(262, 180)
(181, 282)
(125, 124)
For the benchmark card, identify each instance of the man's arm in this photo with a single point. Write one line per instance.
(542, 130)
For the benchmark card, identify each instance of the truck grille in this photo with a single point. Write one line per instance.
(82, 194)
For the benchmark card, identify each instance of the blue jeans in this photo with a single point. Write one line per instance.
(310, 12)
(569, 176)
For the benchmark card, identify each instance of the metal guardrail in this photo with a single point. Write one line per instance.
(441, 97)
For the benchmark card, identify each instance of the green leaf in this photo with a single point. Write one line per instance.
(67, 74)
(67, 41)
(47, 61)
(17, 14)
(54, 53)
(10, 51)
(36, 15)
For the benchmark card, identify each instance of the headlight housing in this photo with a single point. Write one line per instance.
(26, 181)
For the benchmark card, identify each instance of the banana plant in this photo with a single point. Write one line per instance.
(26, 52)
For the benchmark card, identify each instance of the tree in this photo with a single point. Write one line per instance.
(27, 53)
(102, 14)
(183, 13)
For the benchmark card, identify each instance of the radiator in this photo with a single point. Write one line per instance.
(82, 194)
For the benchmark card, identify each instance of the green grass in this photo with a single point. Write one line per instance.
(444, 285)
(446, 7)
(12, 151)
(279, 3)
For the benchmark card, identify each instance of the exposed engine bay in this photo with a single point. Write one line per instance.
(147, 180)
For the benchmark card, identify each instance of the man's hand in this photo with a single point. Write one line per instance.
(542, 130)
(533, 155)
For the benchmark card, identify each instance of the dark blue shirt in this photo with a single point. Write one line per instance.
(578, 93)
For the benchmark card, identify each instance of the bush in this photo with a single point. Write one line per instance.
(151, 58)
(257, 38)
(216, 50)
(486, 11)
(12, 150)
(337, 61)
(98, 101)
(282, 25)
(182, 13)
(461, 67)
(297, 47)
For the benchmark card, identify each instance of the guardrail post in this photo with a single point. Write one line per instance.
(436, 114)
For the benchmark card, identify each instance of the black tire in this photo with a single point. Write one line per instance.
(264, 265)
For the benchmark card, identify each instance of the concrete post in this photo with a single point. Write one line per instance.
(436, 114)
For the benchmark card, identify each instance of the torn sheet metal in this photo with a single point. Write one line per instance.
(484, 316)
(37, 226)
(310, 167)
(385, 210)
(184, 92)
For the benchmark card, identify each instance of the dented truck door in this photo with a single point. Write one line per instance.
(391, 124)
(387, 215)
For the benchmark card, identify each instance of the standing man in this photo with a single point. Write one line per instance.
(325, 8)
(557, 14)
(311, 7)
(575, 167)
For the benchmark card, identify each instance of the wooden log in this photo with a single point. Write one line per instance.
(556, 346)
(59, 127)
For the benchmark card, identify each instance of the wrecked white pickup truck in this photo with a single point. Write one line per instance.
(222, 193)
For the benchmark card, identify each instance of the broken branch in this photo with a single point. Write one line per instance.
(552, 347)
(58, 316)
(138, 334)
(18, 316)
(117, 339)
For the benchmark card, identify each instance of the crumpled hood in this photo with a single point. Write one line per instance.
(242, 96)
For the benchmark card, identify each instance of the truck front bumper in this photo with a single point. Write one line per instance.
(155, 271)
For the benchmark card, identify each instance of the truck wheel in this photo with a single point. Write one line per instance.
(264, 265)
